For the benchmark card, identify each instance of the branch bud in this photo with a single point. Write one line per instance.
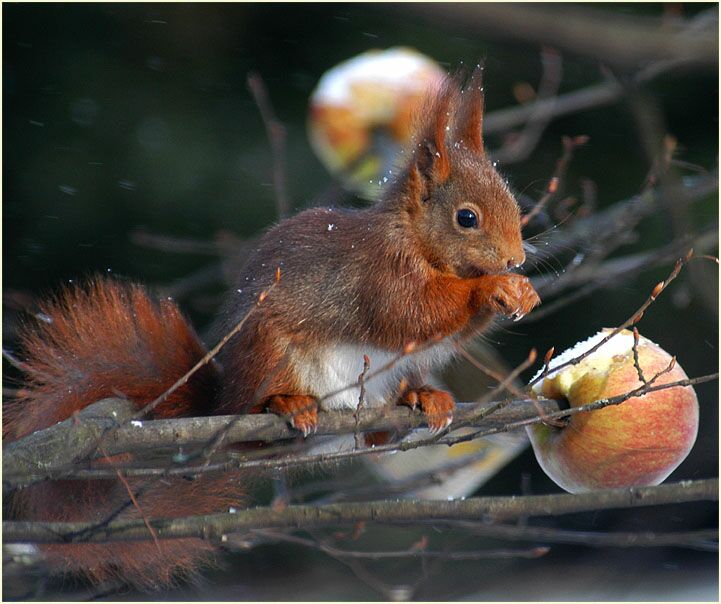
(549, 355)
(532, 356)
(657, 290)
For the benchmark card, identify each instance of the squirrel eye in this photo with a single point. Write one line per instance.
(467, 218)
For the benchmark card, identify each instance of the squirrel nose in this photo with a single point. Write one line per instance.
(515, 261)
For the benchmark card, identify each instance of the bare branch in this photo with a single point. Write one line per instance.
(214, 526)
(632, 320)
(704, 539)
(53, 452)
(552, 188)
(636, 364)
(610, 273)
(521, 145)
(20, 466)
(177, 245)
(622, 40)
(591, 97)
(621, 217)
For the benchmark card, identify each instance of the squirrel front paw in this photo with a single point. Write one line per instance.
(436, 405)
(301, 411)
(510, 294)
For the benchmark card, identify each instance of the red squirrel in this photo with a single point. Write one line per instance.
(428, 264)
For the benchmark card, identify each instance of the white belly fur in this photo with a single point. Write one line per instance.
(331, 373)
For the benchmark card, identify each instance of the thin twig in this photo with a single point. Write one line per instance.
(633, 319)
(276, 135)
(207, 358)
(487, 554)
(506, 384)
(569, 146)
(522, 145)
(150, 528)
(636, 363)
(547, 361)
(599, 404)
(361, 399)
(176, 245)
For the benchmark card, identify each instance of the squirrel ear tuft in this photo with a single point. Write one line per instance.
(431, 153)
(469, 124)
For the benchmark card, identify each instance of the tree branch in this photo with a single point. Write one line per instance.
(488, 509)
(534, 410)
(703, 539)
(595, 230)
(622, 40)
(55, 451)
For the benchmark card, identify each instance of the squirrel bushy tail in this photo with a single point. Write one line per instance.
(103, 340)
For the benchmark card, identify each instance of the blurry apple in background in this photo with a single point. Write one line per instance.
(361, 111)
(636, 443)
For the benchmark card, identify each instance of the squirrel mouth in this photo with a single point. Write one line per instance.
(470, 271)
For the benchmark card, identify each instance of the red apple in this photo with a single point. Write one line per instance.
(636, 443)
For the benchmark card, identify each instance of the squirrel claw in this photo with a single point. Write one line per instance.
(301, 411)
(513, 295)
(436, 424)
(410, 399)
(436, 405)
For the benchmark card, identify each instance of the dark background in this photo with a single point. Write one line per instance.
(124, 116)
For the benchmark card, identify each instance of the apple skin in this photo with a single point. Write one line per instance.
(636, 443)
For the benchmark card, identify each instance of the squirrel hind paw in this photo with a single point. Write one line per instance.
(436, 405)
(300, 411)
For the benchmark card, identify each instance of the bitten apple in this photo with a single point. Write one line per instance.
(636, 443)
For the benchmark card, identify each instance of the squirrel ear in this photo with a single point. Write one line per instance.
(469, 125)
(432, 161)
(431, 154)
(426, 170)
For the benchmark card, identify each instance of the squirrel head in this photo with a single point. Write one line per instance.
(461, 212)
